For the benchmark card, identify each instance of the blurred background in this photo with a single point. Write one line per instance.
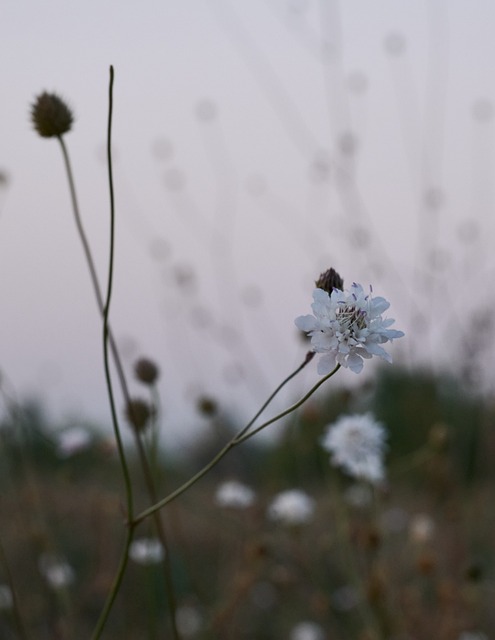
(256, 144)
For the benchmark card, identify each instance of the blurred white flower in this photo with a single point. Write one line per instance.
(291, 507)
(473, 635)
(189, 621)
(346, 327)
(421, 528)
(146, 551)
(72, 441)
(357, 443)
(307, 631)
(234, 494)
(6, 597)
(56, 571)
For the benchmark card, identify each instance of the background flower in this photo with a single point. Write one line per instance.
(357, 444)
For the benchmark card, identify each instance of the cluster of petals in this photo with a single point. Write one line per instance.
(357, 444)
(347, 327)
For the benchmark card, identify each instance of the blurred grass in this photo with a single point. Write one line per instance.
(360, 570)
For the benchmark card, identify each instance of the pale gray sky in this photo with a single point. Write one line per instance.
(256, 144)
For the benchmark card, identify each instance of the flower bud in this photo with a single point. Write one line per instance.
(51, 116)
(330, 280)
(138, 413)
(146, 371)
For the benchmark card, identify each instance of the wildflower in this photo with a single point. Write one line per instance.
(292, 507)
(189, 621)
(234, 494)
(356, 443)
(146, 551)
(421, 528)
(51, 116)
(307, 631)
(6, 598)
(346, 327)
(146, 371)
(72, 441)
(56, 571)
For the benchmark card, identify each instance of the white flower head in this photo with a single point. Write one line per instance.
(72, 441)
(307, 631)
(146, 551)
(57, 572)
(357, 444)
(234, 494)
(6, 598)
(292, 507)
(346, 327)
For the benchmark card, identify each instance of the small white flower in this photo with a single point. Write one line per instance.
(291, 507)
(57, 572)
(473, 635)
(307, 631)
(146, 551)
(346, 327)
(189, 621)
(6, 597)
(72, 441)
(234, 494)
(421, 528)
(357, 443)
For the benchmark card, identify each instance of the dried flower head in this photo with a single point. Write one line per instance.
(51, 116)
(207, 406)
(146, 371)
(293, 507)
(138, 413)
(330, 280)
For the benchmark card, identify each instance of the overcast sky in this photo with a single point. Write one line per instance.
(256, 144)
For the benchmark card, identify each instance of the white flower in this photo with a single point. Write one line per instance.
(473, 635)
(307, 631)
(189, 621)
(6, 598)
(146, 551)
(291, 507)
(234, 494)
(421, 528)
(357, 443)
(72, 441)
(346, 327)
(57, 572)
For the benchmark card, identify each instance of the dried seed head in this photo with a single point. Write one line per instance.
(330, 280)
(138, 413)
(146, 371)
(207, 406)
(51, 116)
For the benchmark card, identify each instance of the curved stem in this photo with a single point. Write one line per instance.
(236, 440)
(106, 310)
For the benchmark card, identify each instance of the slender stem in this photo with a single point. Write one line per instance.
(246, 436)
(106, 310)
(236, 440)
(115, 586)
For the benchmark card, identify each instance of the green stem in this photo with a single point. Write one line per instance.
(115, 586)
(236, 440)
(106, 310)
